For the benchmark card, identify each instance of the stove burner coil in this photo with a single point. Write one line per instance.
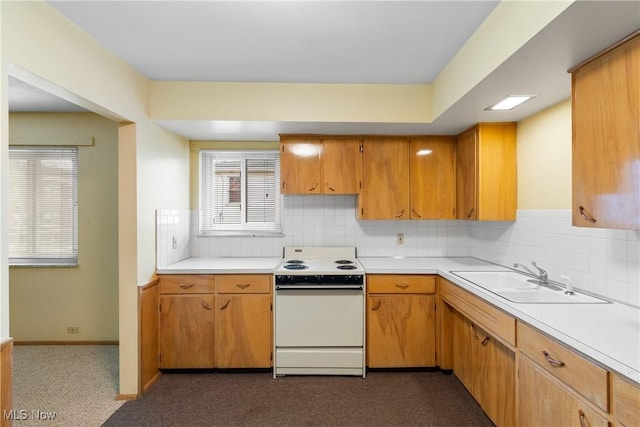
(346, 267)
(294, 261)
(344, 261)
(295, 266)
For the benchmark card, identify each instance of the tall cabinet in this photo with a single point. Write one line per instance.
(606, 138)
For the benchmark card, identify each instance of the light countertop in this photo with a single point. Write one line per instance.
(606, 333)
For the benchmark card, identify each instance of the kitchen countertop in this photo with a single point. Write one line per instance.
(606, 333)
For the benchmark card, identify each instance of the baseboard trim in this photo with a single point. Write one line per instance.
(151, 382)
(66, 342)
(126, 397)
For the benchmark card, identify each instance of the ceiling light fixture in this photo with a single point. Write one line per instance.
(510, 102)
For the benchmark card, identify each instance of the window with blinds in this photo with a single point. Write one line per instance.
(43, 206)
(239, 192)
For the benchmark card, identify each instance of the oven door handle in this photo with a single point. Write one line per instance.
(318, 288)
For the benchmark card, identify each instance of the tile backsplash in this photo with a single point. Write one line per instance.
(606, 262)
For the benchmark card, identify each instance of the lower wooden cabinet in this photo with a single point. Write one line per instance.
(400, 321)
(486, 368)
(544, 401)
(187, 335)
(210, 321)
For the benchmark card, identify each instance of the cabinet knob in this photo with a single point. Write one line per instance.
(205, 305)
(314, 187)
(226, 304)
(584, 422)
(585, 215)
(416, 213)
(402, 285)
(186, 285)
(470, 213)
(243, 286)
(398, 215)
(330, 187)
(377, 306)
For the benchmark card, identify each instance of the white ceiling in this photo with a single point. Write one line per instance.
(339, 42)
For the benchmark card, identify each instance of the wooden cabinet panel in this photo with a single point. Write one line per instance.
(186, 284)
(606, 139)
(400, 331)
(187, 335)
(385, 179)
(243, 331)
(300, 166)
(244, 283)
(577, 372)
(486, 368)
(486, 177)
(432, 180)
(626, 402)
(341, 166)
(543, 401)
(401, 284)
(500, 324)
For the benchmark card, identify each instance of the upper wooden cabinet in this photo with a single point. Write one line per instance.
(319, 165)
(433, 182)
(606, 138)
(408, 178)
(486, 173)
(385, 179)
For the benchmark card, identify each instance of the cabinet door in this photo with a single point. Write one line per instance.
(385, 179)
(300, 166)
(606, 140)
(187, 335)
(400, 331)
(466, 165)
(341, 166)
(432, 177)
(486, 368)
(243, 331)
(543, 401)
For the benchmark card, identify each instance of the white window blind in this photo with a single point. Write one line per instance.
(239, 192)
(43, 205)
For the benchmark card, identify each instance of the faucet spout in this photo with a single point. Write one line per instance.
(543, 277)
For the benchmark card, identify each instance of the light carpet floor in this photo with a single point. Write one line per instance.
(77, 383)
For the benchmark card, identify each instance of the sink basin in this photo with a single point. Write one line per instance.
(517, 287)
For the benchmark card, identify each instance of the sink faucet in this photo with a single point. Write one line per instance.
(543, 277)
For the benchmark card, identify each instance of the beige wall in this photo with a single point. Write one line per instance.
(544, 159)
(44, 301)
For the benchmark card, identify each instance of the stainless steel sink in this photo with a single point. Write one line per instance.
(520, 288)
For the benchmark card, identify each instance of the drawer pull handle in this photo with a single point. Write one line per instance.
(399, 214)
(225, 304)
(470, 213)
(553, 362)
(330, 187)
(585, 215)
(186, 285)
(473, 331)
(416, 213)
(245, 286)
(314, 187)
(485, 341)
(377, 306)
(205, 305)
(584, 422)
(402, 285)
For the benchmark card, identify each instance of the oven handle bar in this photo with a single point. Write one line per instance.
(318, 288)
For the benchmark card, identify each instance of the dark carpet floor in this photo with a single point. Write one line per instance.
(405, 398)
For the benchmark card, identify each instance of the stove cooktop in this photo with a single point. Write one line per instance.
(319, 261)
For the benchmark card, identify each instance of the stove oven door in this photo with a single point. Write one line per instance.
(319, 331)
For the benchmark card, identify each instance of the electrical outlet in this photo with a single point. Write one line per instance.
(73, 329)
(400, 239)
(174, 242)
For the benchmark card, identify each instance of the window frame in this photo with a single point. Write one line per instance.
(243, 228)
(38, 256)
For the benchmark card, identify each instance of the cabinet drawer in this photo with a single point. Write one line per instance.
(244, 283)
(186, 284)
(401, 284)
(580, 374)
(626, 402)
(499, 323)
